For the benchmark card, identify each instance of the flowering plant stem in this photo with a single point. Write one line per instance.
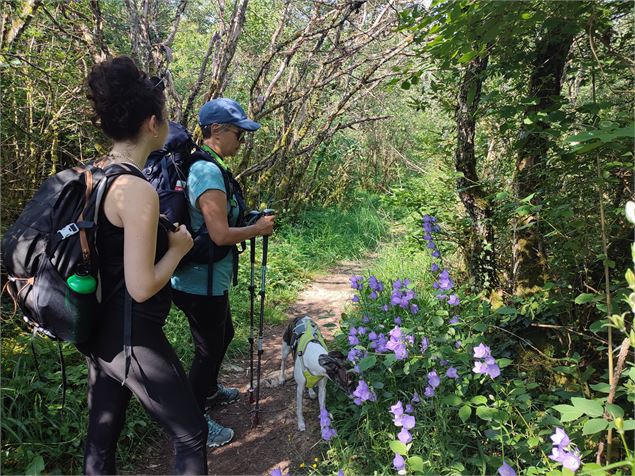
(607, 291)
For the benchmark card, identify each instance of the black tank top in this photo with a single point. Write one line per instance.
(110, 248)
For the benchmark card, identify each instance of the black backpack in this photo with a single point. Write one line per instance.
(167, 170)
(53, 239)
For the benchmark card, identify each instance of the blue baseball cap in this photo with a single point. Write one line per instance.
(225, 111)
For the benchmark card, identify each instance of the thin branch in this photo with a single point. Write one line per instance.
(175, 24)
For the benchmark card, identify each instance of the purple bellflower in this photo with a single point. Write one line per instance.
(562, 452)
(424, 344)
(433, 379)
(452, 373)
(398, 462)
(362, 393)
(357, 282)
(404, 436)
(506, 470)
(486, 366)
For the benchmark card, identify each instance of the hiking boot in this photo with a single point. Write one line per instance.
(217, 435)
(223, 396)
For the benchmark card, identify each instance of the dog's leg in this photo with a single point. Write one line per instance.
(312, 394)
(285, 353)
(300, 381)
(298, 395)
(322, 393)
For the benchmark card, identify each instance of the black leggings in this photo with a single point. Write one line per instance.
(212, 330)
(156, 378)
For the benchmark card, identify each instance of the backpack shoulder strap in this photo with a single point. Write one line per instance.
(200, 154)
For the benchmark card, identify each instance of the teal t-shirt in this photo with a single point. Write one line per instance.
(192, 277)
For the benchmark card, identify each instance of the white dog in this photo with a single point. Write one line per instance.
(312, 362)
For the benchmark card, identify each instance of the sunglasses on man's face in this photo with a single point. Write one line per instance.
(239, 134)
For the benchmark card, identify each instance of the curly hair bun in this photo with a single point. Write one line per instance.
(123, 97)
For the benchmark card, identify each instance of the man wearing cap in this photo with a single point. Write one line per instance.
(201, 290)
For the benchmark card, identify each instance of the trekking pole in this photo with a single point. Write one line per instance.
(252, 297)
(250, 219)
(261, 324)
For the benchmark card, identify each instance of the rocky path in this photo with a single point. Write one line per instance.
(276, 441)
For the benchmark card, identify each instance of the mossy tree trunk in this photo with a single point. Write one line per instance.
(529, 255)
(482, 257)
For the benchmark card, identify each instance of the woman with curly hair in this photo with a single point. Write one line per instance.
(137, 257)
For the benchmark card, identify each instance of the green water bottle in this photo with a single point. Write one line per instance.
(82, 283)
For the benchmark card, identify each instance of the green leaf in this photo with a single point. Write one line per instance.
(601, 387)
(485, 413)
(367, 363)
(506, 310)
(504, 362)
(389, 360)
(464, 58)
(615, 410)
(586, 297)
(527, 15)
(598, 325)
(437, 321)
(582, 137)
(568, 412)
(452, 400)
(629, 425)
(628, 131)
(592, 408)
(415, 463)
(583, 149)
(593, 469)
(533, 441)
(480, 327)
(594, 426)
(398, 447)
(36, 466)
(465, 412)
(479, 400)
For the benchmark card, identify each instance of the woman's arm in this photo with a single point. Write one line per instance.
(213, 206)
(136, 206)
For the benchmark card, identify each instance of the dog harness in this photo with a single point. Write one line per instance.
(307, 331)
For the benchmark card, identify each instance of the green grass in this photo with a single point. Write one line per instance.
(37, 438)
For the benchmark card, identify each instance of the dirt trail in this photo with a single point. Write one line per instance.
(276, 442)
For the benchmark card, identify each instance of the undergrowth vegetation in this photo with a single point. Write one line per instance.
(445, 386)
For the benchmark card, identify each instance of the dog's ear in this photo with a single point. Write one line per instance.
(336, 354)
(329, 363)
(344, 362)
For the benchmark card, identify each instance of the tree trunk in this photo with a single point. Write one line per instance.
(482, 258)
(529, 255)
